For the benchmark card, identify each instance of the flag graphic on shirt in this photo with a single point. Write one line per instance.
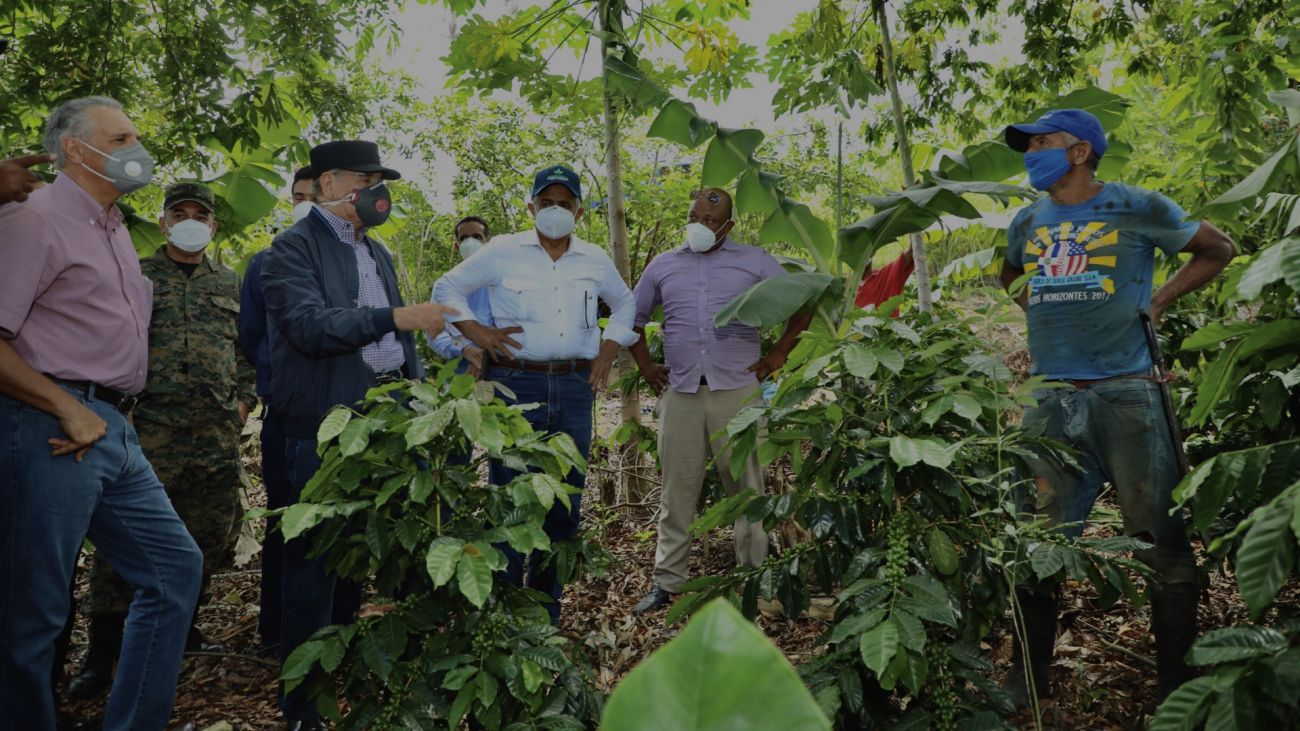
(1066, 257)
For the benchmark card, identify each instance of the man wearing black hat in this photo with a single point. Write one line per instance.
(544, 286)
(1090, 247)
(198, 392)
(337, 327)
(256, 346)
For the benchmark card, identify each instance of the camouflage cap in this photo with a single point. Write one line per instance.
(196, 192)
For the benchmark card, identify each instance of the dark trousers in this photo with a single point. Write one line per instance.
(565, 402)
(312, 598)
(275, 478)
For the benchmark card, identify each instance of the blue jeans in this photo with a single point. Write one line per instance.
(565, 406)
(275, 479)
(47, 506)
(312, 598)
(1119, 428)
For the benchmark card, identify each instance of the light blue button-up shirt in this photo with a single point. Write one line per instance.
(554, 301)
(450, 343)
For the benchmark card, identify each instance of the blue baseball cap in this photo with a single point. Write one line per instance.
(1077, 122)
(557, 175)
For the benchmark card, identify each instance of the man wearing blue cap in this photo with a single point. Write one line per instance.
(547, 347)
(1090, 248)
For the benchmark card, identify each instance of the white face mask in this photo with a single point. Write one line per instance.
(469, 246)
(190, 235)
(700, 238)
(554, 222)
(301, 210)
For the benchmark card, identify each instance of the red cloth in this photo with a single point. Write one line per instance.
(881, 284)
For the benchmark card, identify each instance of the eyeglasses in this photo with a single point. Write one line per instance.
(711, 196)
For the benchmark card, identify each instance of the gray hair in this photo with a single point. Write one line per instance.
(316, 193)
(72, 119)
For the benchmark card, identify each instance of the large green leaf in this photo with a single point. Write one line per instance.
(440, 561)
(720, 673)
(474, 574)
(1185, 707)
(878, 646)
(626, 81)
(1107, 107)
(244, 189)
(678, 122)
(1252, 474)
(730, 153)
(1266, 557)
(859, 241)
(795, 223)
(773, 301)
(991, 160)
(1279, 261)
(1263, 179)
(906, 451)
(757, 192)
(1229, 644)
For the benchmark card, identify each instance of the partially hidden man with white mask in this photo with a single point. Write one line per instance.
(547, 346)
(471, 234)
(199, 391)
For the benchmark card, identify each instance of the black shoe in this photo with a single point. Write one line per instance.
(1039, 612)
(96, 675)
(1173, 621)
(196, 642)
(658, 597)
(312, 725)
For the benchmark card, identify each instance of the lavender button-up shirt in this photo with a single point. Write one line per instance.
(692, 288)
(73, 302)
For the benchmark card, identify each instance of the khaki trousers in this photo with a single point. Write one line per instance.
(686, 422)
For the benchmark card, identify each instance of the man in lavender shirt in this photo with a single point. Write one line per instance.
(712, 372)
(74, 325)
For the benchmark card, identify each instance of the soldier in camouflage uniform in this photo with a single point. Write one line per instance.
(190, 414)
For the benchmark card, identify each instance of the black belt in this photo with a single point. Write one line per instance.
(392, 376)
(555, 367)
(704, 381)
(120, 400)
(1086, 384)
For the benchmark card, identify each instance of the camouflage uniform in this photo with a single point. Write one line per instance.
(188, 417)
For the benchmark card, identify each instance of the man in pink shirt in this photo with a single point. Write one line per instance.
(74, 324)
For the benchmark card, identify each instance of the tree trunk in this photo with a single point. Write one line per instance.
(904, 150)
(636, 487)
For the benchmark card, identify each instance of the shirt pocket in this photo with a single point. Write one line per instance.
(225, 320)
(587, 302)
(517, 299)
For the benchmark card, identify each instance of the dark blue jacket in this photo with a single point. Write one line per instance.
(252, 323)
(315, 328)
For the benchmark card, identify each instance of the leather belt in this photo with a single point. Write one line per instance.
(1089, 383)
(554, 367)
(120, 400)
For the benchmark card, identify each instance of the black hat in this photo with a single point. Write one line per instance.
(359, 155)
(196, 192)
(557, 175)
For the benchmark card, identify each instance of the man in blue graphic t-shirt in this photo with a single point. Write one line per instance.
(1089, 247)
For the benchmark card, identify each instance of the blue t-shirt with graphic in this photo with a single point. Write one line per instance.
(1092, 266)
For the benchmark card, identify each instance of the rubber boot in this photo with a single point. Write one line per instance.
(1038, 609)
(1173, 621)
(96, 675)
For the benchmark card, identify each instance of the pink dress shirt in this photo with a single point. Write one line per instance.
(73, 302)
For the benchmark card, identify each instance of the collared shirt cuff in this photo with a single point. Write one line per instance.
(621, 335)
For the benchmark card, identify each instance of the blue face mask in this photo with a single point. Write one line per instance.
(1046, 166)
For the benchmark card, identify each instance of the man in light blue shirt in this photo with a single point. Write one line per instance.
(547, 346)
(471, 234)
